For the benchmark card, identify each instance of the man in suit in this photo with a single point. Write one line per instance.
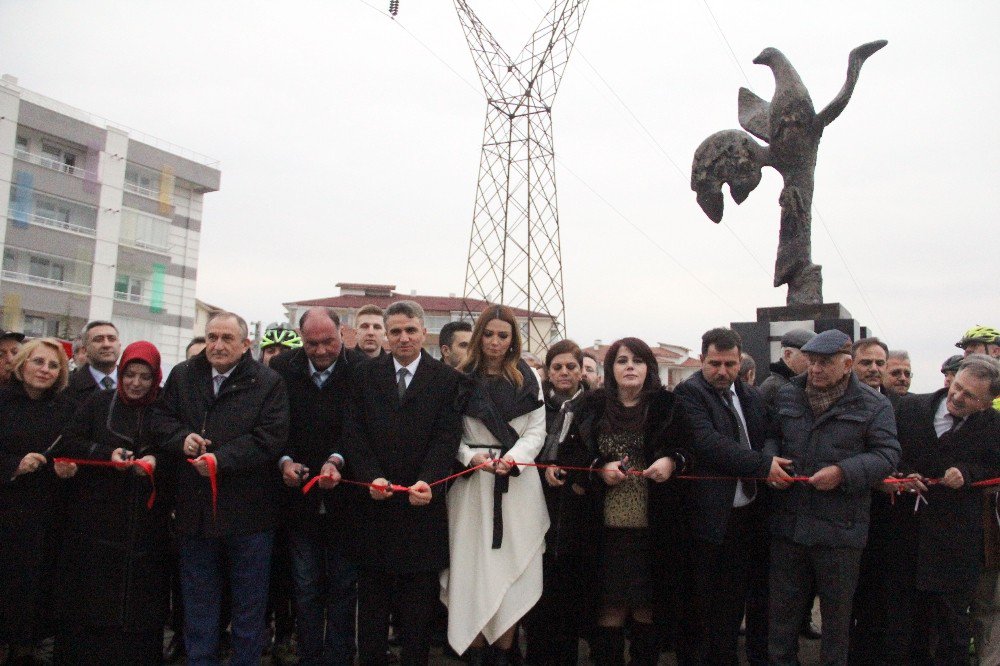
(728, 418)
(402, 427)
(950, 435)
(100, 372)
(228, 415)
(317, 377)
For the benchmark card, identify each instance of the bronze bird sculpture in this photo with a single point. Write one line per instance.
(792, 130)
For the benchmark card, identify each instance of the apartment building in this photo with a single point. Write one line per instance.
(102, 222)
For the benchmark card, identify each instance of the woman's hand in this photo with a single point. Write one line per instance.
(555, 477)
(612, 474)
(481, 458)
(505, 465)
(30, 463)
(146, 459)
(660, 470)
(121, 455)
(64, 470)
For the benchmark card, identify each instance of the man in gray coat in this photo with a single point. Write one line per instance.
(842, 438)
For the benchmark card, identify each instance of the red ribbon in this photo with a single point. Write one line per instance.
(689, 477)
(213, 480)
(117, 464)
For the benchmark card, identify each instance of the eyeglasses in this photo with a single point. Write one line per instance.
(902, 373)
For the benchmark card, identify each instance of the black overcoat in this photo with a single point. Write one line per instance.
(114, 571)
(406, 441)
(667, 432)
(29, 507)
(315, 425)
(247, 424)
(944, 537)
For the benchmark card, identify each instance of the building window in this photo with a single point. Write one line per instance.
(143, 182)
(129, 289)
(46, 269)
(145, 231)
(55, 157)
(22, 144)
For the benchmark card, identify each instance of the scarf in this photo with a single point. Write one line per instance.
(496, 402)
(821, 400)
(144, 352)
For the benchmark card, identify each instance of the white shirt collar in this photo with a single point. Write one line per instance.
(412, 367)
(98, 375)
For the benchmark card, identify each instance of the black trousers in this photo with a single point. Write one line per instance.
(411, 598)
(724, 574)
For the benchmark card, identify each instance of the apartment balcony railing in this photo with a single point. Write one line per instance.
(38, 280)
(147, 192)
(49, 163)
(52, 223)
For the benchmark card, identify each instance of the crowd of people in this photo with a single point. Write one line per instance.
(493, 499)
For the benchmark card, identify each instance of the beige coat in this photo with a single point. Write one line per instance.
(487, 591)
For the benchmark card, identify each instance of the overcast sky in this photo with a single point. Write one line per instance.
(349, 146)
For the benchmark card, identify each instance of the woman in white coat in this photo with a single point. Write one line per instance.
(496, 516)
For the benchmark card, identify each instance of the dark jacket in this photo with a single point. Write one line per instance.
(247, 424)
(719, 452)
(316, 418)
(667, 432)
(780, 374)
(858, 434)
(29, 507)
(403, 442)
(114, 574)
(565, 503)
(944, 536)
(81, 385)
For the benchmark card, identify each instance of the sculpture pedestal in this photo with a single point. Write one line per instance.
(762, 338)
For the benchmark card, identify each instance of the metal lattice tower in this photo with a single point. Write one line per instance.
(514, 255)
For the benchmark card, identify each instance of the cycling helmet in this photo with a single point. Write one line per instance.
(984, 334)
(280, 335)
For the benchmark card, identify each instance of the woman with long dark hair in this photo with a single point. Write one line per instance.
(113, 575)
(496, 516)
(635, 436)
(33, 412)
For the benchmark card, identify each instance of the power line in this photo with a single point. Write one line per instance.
(732, 52)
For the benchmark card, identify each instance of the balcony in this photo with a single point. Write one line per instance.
(147, 192)
(49, 163)
(42, 221)
(129, 297)
(38, 280)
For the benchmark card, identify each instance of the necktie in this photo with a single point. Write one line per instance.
(218, 379)
(750, 487)
(318, 379)
(107, 383)
(956, 423)
(401, 383)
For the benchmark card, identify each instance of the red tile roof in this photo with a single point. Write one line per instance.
(430, 304)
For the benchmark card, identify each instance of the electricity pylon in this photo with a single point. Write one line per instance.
(514, 254)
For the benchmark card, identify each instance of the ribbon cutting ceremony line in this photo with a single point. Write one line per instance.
(687, 477)
(117, 464)
(213, 480)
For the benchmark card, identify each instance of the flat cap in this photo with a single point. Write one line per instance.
(11, 334)
(828, 343)
(796, 338)
(951, 365)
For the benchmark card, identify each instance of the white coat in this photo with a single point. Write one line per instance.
(487, 591)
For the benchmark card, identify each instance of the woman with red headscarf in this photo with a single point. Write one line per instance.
(112, 569)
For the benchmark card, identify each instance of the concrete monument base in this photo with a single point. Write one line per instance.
(762, 338)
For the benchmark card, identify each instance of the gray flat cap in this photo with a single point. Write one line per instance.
(828, 343)
(796, 338)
